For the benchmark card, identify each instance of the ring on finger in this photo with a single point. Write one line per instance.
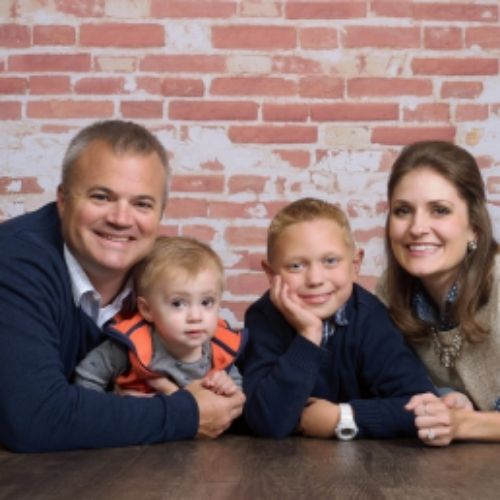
(431, 434)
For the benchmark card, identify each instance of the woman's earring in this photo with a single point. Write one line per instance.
(471, 246)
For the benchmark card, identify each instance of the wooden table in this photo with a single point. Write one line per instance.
(239, 467)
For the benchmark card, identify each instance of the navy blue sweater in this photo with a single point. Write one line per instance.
(366, 363)
(43, 335)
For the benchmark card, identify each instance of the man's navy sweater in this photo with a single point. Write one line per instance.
(43, 335)
(365, 363)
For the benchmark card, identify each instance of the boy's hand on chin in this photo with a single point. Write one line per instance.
(306, 323)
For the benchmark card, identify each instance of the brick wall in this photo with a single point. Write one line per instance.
(259, 102)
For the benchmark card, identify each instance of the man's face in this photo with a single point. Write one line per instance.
(110, 210)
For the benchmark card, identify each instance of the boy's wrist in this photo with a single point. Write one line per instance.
(313, 334)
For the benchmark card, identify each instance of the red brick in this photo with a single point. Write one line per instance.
(428, 112)
(493, 185)
(323, 87)
(484, 37)
(269, 134)
(14, 36)
(201, 233)
(86, 8)
(192, 8)
(13, 85)
(294, 157)
(122, 35)
(247, 284)
(285, 112)
(296, 65)
(182, 87)
(70, 109)
(50, 62)
(49, 84)
(443, 38)
(185, 208)
(249, 260)
(247, 183)
(471, 112)
(305, 9)
(354, 112)
(212, 110)
(20, 185)
(54, 35)
(238, 308)
(98, 86)
(141, 109)
(318, 38)
(254, 37)
(252, 86)
(198, 183)
(246, 236)
(10, 110)
(371, 87)
(447, 11)
(464, 90)
(184, 63)
(455, 66)
(394, 8)
(380, 36)
(405, 135)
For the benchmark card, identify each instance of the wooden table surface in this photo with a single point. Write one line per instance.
(240, 467)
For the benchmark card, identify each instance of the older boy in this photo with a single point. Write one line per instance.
(324, 358)
(176, 334)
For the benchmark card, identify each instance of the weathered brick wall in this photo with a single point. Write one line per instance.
(259, 102)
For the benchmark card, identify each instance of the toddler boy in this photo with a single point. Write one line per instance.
(176, 336)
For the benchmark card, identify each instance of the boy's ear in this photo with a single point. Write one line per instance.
(357, 260)
(268, 270)
(144, 309)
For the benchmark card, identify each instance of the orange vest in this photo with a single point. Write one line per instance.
(226, 345)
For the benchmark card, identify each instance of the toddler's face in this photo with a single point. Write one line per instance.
(318, 263)
(184, 310)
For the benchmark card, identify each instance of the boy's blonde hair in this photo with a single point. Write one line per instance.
(305, 210)
(171, 254)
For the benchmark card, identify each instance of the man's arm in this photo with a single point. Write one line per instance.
(42, 337)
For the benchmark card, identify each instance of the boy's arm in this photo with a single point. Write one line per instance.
(101, 366)
(392, 373)
(280, 370)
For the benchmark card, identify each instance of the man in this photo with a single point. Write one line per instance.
(64, 272)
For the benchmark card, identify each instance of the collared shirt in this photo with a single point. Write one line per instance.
(338, 319)
(428, 312)
(87, 297)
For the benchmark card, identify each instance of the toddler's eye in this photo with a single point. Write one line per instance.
(208, 302)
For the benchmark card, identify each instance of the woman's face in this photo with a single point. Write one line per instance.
(429, 228)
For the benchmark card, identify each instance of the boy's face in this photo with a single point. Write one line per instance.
(317, 263)
(184, 310)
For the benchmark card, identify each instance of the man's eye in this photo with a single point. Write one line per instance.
(99, 196)
(145, 205)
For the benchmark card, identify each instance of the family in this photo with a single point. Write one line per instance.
(111, 336)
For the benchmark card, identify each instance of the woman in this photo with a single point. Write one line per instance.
(442, 288)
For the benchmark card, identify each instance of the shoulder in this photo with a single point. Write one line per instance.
(40, 229)
(364, 301)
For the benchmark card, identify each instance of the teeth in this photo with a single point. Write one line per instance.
(420, 248)
(118, 239)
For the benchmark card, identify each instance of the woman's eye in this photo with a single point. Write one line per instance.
(400, 211)
(440, 210)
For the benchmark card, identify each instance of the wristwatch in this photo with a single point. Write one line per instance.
(346, 428)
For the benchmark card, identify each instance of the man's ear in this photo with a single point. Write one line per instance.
(357, 260)
(268, 270)
(144, 309)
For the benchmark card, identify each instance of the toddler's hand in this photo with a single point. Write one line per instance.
(220, 382)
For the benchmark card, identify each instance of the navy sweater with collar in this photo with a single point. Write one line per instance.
(43, 335)
(366, 363)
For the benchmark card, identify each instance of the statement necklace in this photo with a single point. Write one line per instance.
(447, 353)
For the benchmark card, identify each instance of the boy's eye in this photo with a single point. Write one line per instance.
(177, 303)
(294, 266)
(208, 302)
(331, 261)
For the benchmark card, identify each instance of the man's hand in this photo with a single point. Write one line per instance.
(319, 418)
(303, 321)
(216, 412)
(220, 382)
